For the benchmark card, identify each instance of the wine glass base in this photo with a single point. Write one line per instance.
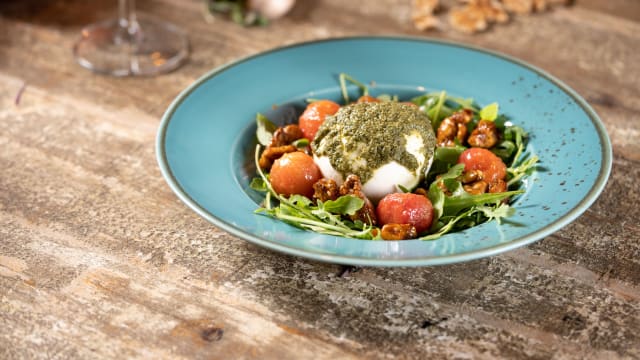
(109, 48)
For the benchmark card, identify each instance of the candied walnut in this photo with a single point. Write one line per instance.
(398, 232)
(423, 14)
(523, 7)
(353, 186)
(540, 5)
(477, 15)
(421, 191)
(441, 185)
(476, 188)
(272, 153)
(454, 127)
(485, 135)
(492, 10)
(471, 176)
(498, 186)
(467, 21)
(285, 135)
(325, 189)
(520, 7)
(474, 183)
(444, 188)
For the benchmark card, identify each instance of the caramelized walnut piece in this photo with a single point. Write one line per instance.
(280, 144)
(476, 188)
(325, 189)
(520, 7)
(272, 153)
(485, 135)
(285, 135)
(474, 183)
(524, 7)
(477, 15)
(423, 14)
(398, 232)
(421, 191)
(471, 176)
(498, 186)
(454, 127)
(440, 184)
(366, 214)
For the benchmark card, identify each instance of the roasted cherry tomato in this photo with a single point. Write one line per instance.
(314, 115)
(492, 167)
(367, 99)
(406, 208)
(294, 173)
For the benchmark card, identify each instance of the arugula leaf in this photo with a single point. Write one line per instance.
(437, 196)
(464, 103)
(497, 213)
(517, 135)
(344, 205)
(265, 130)
(300, 200)
(449, 225)
(301, 143)
(435, 112)
(489, 112)
(343, 78)
(443, 159)
(460, 199)
(504, 149)
(258, 184)
(516, 173)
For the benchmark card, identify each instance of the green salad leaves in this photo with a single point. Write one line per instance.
(454, 208)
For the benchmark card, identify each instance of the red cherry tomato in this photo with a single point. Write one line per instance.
(294, 173)
(367, 99)
(314, 115)
(399, 208)
(492, 167)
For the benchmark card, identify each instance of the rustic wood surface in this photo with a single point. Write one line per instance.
(99, 259)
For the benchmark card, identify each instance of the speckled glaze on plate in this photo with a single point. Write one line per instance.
(206, 140)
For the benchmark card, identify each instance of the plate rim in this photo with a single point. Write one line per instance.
(562, 221)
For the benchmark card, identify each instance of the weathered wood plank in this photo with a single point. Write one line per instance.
(98, 258)
(498, 297)
(594, 65)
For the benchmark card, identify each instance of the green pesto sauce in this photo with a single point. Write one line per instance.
(360, 138)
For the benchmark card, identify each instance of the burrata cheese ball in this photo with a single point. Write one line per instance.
(389, 145)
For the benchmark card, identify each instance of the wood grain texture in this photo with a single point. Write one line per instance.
(98, 258)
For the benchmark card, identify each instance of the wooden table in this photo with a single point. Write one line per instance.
(99, 259)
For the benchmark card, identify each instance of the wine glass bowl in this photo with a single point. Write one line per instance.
(131, 45)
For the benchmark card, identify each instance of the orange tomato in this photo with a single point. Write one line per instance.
(367, 99)
(406, 208)
(294, 173)
(492, 167)
(314, 115)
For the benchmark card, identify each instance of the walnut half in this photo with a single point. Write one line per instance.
(476, 15)
(423, 14)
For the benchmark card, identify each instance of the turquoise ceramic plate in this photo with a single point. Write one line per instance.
(206, 140)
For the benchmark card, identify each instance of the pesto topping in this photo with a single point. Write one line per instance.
(360, 138)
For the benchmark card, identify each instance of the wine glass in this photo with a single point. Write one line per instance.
(131, 44)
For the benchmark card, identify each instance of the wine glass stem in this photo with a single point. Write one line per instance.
(127, 18)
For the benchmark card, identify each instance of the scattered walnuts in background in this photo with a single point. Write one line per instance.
(472, 16)
(423, 14)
